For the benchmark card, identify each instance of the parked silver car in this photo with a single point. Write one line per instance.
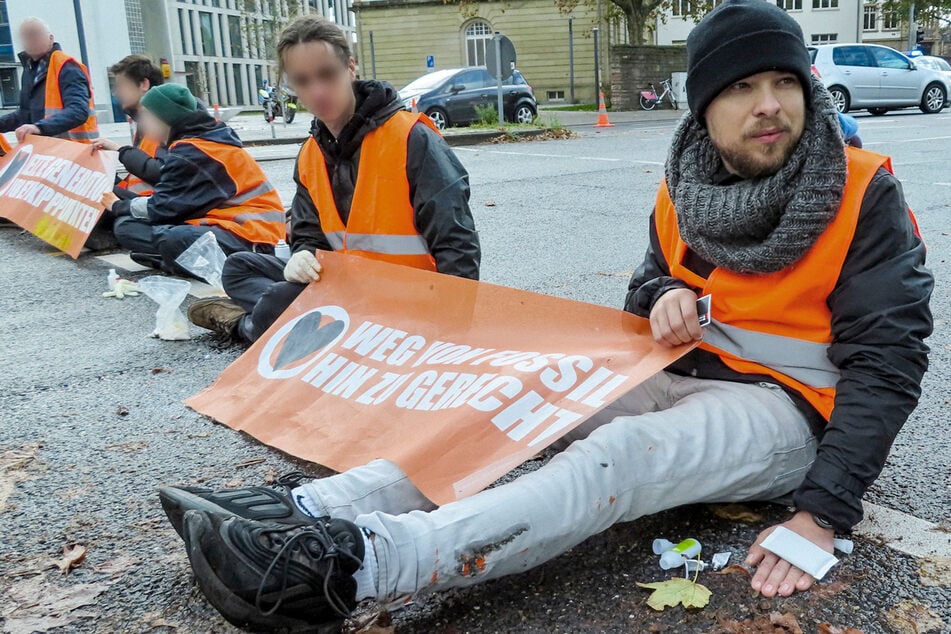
(878, 78)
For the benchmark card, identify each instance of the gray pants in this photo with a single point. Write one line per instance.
(671, 441)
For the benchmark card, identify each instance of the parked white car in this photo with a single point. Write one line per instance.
(878, 78)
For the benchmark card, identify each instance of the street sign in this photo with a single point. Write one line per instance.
(430, 62)
(506, 55)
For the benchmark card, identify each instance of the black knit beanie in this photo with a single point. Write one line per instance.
(738, 39)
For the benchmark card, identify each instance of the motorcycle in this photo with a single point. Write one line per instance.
(277, 103)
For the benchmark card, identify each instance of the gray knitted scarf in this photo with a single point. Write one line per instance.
(759, 225)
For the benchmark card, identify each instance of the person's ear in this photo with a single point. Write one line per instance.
(352, 68)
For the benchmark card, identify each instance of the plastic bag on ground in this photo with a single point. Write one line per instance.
(168, 293)
(204, 259)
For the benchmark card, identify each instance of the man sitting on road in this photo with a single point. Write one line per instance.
(208, 183)
(372, 180)
(143, 159)
(810, 366)
(55, 90)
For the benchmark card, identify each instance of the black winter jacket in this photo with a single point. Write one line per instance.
(72, 85)
(880, 318)
(190, 185)
(438, 184)
(137, 162)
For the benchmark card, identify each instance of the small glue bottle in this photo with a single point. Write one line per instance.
(674, 555)
(282, 251)
(112, 279)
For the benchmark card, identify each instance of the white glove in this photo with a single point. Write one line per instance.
(302, 268)
(123, 288)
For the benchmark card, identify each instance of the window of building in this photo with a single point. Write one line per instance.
(825, 4)
(556, 95)
(870, 18)
(789, 5)
(891, 20)
(182, 25)
(825, 38)
(207, 33)
(238, 75)
(7, 54)
(478, 36)
(682, 7)
(235, 31)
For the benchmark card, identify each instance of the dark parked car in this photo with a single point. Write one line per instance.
(450, 96)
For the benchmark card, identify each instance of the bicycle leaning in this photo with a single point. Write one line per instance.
(649, 98)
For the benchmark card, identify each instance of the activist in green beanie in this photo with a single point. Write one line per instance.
(169, 103)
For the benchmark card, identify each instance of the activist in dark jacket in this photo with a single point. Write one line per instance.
(814, 273)
(373, 180)
(72, 88)
(208, 183)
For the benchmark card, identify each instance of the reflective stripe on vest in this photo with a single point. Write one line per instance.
(382, 223)
(806, 361)
(255, 213)
(86, 132)
(778, 324)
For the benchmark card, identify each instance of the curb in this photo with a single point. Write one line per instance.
(453, 139)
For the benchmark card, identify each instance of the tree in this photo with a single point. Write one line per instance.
(926, 11)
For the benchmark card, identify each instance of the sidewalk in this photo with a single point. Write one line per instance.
(255, 131)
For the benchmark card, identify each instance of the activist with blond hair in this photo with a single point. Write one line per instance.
(55, 90)
(372, 180)
(208, 183)
(811, 362)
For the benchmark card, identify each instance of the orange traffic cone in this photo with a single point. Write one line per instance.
(414, 109)
(603, 121)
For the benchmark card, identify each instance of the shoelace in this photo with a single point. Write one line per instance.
(330, 550)
(293, 479)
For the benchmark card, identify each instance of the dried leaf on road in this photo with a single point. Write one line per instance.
(826, 628)
(912, 617)
(117, 566)
(935, 571)
(73, 555)
(736, 513)
(41, 606)
(490, 203)
(775, 623)
(736, 569)
(677, 591)
(13, 469)
(825, 590)
(127, 447)
(122, 410)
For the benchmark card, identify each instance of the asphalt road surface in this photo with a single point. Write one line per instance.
(92, 422)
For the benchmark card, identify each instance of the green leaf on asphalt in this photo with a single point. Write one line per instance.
(677, 591)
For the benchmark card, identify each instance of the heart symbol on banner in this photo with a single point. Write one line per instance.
(307, 337)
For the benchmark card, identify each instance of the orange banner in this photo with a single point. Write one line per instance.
(52, 188)
(455, 381)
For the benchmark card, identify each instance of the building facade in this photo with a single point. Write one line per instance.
(822, 22)
(391, 41)
(221, 49)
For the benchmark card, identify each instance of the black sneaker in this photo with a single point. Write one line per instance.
(275, 577)
(263, 504)
(148, 260)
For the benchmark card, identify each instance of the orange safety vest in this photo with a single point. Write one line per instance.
(86, 132)
(132, 182)
(382, 221)
(779, 324)
(255, 212)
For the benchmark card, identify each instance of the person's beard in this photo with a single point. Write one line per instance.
(752, 160)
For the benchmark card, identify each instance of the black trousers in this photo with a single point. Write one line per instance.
(170, 241)
(255, 281)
